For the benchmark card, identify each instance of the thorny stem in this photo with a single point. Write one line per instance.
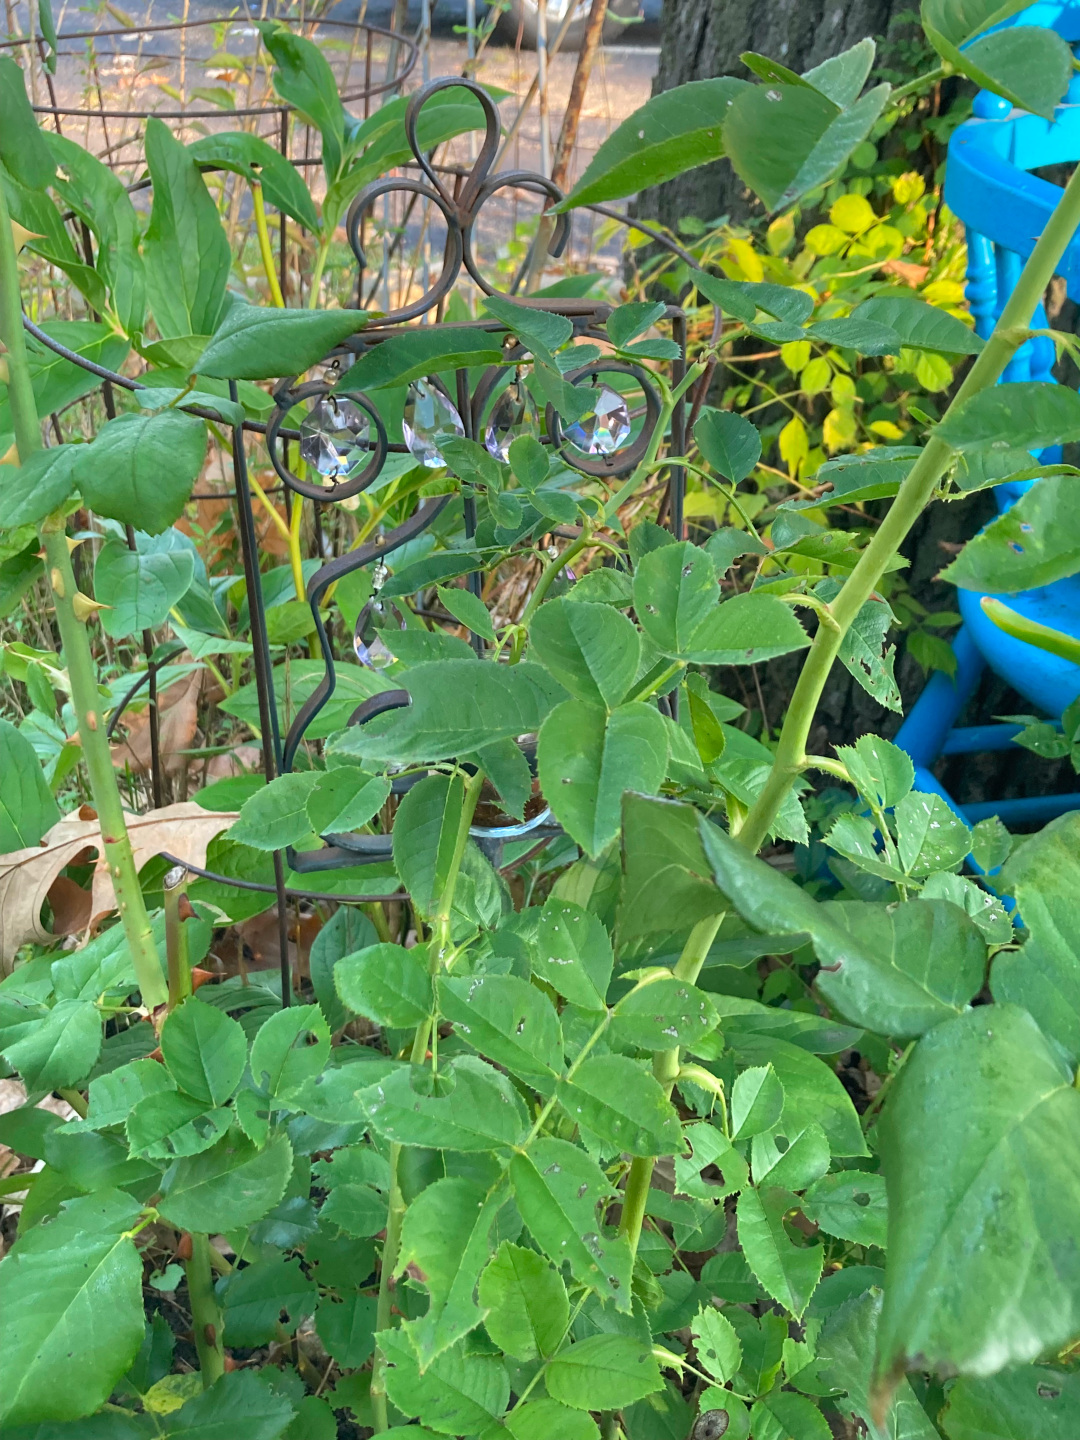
(1011, 330)
(440, 939)
(116, 843)
(666, 1070)
(205, 1313)
(176, 940)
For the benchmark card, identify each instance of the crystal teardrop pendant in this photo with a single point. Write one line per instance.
(428, 420)
(335, 436)
(605, 428)
(514, 414)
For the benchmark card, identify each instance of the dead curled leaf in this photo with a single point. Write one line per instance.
(26, 876)
(178, 706)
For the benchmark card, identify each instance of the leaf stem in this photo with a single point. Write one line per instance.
(265, 251)
(666, 1069)
(85, 700)
(912, 498)
(205, 1312)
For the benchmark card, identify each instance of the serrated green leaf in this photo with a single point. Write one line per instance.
(620, 1102)
(851, 1205)
(205, 1051)
(709, 1148)
(60, 1049)
(540, 1419)
(573, 953)
(386, 983)
(729, 443)
(457, 1394)
(525, 1299)
(254, 1299)
(257, 342)
(592, 650)
(1032, 1402)
(929, 834)
(38, 485)
(474, 1107)
(290, 1048)
(603, 1372)
(170, 1124)
(27, 806)
(509, 1021)
(783, 1415)
(845, 1361)
(233, 1179)
(419, 353)
(757, 1102)
(661, 1015)
(789, 1272)
(140, 468)
(139, 589)
(717, 1345)
(1035, 542)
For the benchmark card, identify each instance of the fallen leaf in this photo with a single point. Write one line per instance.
(178, 706)
(26, 876)
(906, 270)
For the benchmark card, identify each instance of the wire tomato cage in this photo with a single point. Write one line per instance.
(342, 434)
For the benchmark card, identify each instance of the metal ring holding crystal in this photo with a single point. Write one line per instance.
(622, 461)
(286, 399)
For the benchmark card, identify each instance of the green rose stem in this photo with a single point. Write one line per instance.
(76, 645)
(438, 946)
(914, 495)
(205, 1312)
(176, 945)
(666, 1069)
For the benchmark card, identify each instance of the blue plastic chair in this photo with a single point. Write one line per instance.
(1004, 210)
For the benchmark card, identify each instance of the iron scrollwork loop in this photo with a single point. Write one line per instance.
(626, 458)
(328, 407)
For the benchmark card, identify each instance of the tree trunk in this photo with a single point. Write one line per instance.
(701, 39)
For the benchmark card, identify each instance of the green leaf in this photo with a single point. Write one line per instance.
(588, 759)
(1035, 542)
(233, 1179)
(592, 650)
(929, 834)
(627, 321)
(240, 1403)
(573, 953)
(186, 251)
(864, 336)
(140, 468)
(253, 158)
(784, 1414)
(558, 1187)
(505, 765)
(1031, 1402)
(812, 1092)
(347, 1327)
(789, 1272)
(842, 76)
(457, 706)
(27, 806)
(710, 1148)
(167, 1125)
(345, 798)
(667, 873)
(258, 342)
(980, 1142)
(447, 1236)
(757, 1102)
(525, 1299)
(457, 1394)
(1044, 975)
(22, 146)
(850, 1205)
(205, 1051)
(61, 1049)
(670, 133)
(290, 1048)
(785, 139)
(474, 1107)
(865, 653)
(468, 608)
(538, 330)
(792, 1161)
(425, 837)
(620, 1102)
(541, 1419)
(717, 1345)
(303, 77)
(33, 489)
(1030, 67)
(139, 589)
(879, 770)
(347, 931)
(420, 353)
(254, 1298)
(729, 443)
(604, 1372)
(845, 1361)
(661, 1015)
(913, 966)
(919, 325)
(276, 814)
(1024, 415)
(387, 984)
(71, 1315)
(509, 1021)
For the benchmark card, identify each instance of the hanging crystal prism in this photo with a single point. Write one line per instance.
(605, 428)
(335, 436)
(514, 414)
(429, 420)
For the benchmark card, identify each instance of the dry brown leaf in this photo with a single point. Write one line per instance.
(178, 706)
(26, 876)
(70, 906)
(907, 271)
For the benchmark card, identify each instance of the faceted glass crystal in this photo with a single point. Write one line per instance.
(429, 420)
(335, 437)
(605, 428)
(514, 414)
